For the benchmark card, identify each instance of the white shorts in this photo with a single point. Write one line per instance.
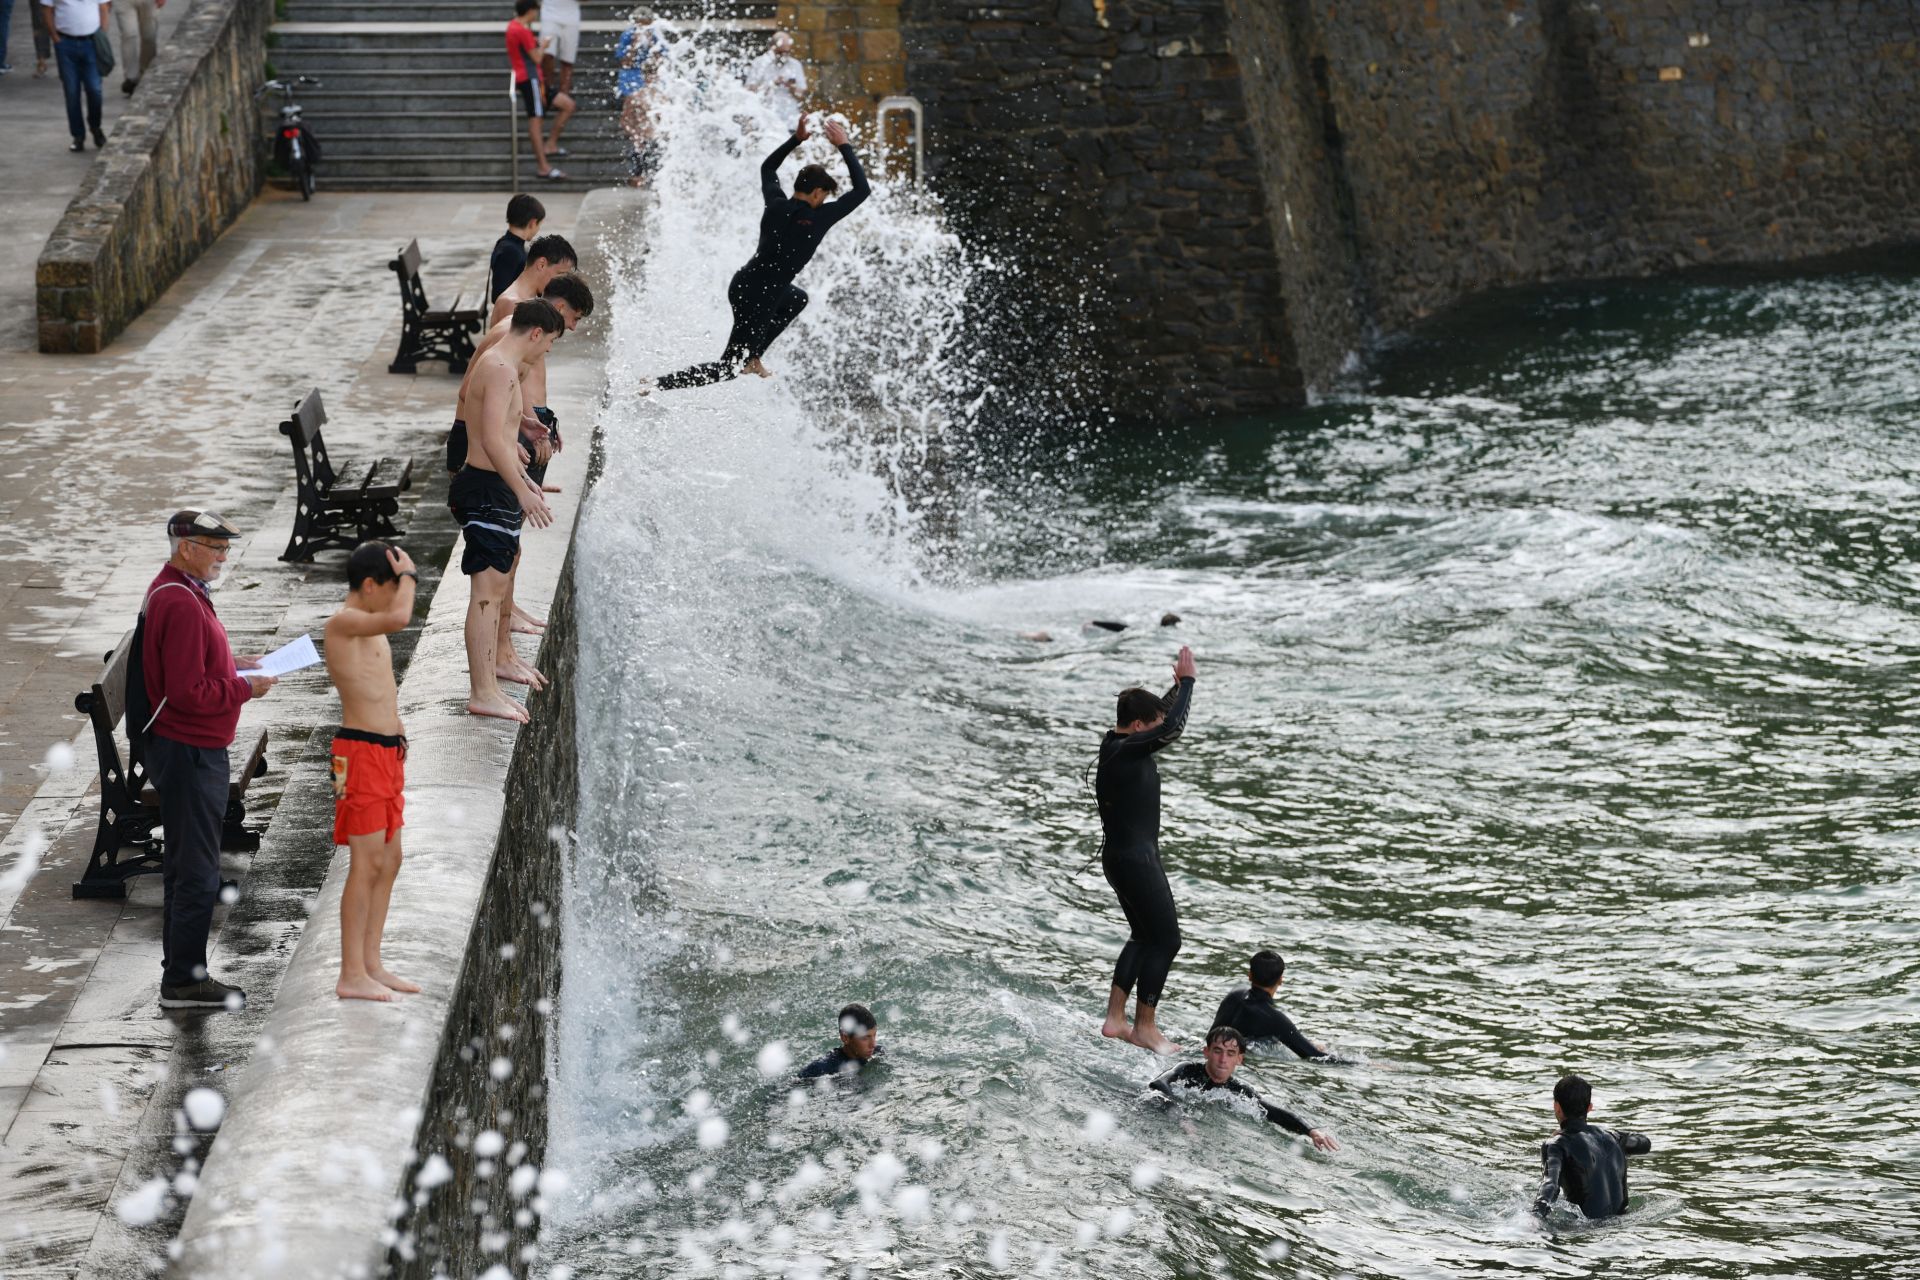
(566, 39)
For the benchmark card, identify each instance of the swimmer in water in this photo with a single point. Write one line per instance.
(1127, 786)
(1588, 1164)
(1226, 1050)
(1252, 1010)
(859, 1044)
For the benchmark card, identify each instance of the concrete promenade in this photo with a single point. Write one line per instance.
(182, 411)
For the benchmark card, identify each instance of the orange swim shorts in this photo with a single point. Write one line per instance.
(369, 774)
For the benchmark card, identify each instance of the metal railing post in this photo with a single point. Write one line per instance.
(513, 127)
(918, 117)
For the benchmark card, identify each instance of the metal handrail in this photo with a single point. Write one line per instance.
(918, 114)
(513, 126)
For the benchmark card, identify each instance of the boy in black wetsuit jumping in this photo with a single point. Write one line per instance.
(763, 296)
(1127, 786)
(1589, 1164)
(1226, 1050)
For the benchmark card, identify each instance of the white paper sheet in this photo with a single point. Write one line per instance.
(289, 657)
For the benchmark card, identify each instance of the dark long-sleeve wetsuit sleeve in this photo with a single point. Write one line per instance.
(835, 210)
(1289, 1035)
(1285, 1119)
(1550, 1160)
(1163, 1083)
(770, 172)
(1148, 741)
(1633, 1144)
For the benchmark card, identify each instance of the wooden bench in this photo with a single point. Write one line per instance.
(427, 334)
(332, 509)
(129, 808)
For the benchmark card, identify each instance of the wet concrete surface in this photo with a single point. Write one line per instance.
(183, 411)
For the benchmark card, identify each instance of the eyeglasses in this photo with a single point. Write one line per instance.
(218, 548)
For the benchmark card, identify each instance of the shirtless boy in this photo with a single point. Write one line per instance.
(369, 759)
(547, 257)
(492, 496)
(539, 440)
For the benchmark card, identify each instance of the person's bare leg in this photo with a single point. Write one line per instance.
(389, 871)
(1146, 1034)
(356, 896)
(540, 164)
(487, 593)
(562, 103)
(566, 78)
(754, 366)
(1115, 1027)
(508, 665)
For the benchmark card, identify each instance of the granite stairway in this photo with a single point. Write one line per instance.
(414, 94)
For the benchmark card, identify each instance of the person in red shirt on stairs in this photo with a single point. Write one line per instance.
(523, 52)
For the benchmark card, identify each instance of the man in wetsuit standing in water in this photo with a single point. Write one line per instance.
(1589, 1164)
(1127, 786)
(763, 296)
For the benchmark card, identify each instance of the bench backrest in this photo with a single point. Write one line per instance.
(105, 707)
(311, 466)
(413, 294)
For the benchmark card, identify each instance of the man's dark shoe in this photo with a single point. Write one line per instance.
(99, 138)
(208, 993)
(78, 144)
(128, 86)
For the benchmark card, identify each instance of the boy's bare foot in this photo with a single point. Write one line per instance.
(520, 673)
(1152, 1039)
(521, 615)
(361, 989)
(1116, 1029)
(387, 980)
(755, 367)
(505, 709)
(523, 628)
(550, 488)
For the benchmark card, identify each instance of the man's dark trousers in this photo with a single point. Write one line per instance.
(192, 782)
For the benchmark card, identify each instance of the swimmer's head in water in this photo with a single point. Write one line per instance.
(859, 1033)
(1266, 969)
(1139, 710)
(1572, 1098)
(814, 184)
(1226, 1050)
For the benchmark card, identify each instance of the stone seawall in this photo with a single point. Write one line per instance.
(184, 161)
(486, 1112)
(1226, 199)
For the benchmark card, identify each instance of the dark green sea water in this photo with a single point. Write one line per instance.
(1556, 712)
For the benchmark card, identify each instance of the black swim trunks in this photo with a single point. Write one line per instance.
(489, 514)
(456, 447)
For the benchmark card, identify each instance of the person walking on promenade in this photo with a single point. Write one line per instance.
(369, 760)
(139, 38)
(524, 51)
(1127, 786)
(762, 294)
(509, 258)
(194, 688)
(6, 25)
(560, 31)
(71, 25)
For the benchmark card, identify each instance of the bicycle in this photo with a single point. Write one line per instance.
(295, 148)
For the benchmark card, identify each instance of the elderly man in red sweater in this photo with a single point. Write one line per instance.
(195, 693)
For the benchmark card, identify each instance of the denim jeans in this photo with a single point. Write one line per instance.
(78, 70)
(6, 21)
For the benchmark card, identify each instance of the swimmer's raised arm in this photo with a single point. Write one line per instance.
(770, 167)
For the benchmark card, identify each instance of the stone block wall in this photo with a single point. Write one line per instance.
(853, 52)
(181, 164)
(1105, 144)
(1226, 199)
(1488, 144)
(492, 1067)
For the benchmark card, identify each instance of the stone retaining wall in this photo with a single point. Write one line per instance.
(492, 1069)
(182, 163)
(1228, 198)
